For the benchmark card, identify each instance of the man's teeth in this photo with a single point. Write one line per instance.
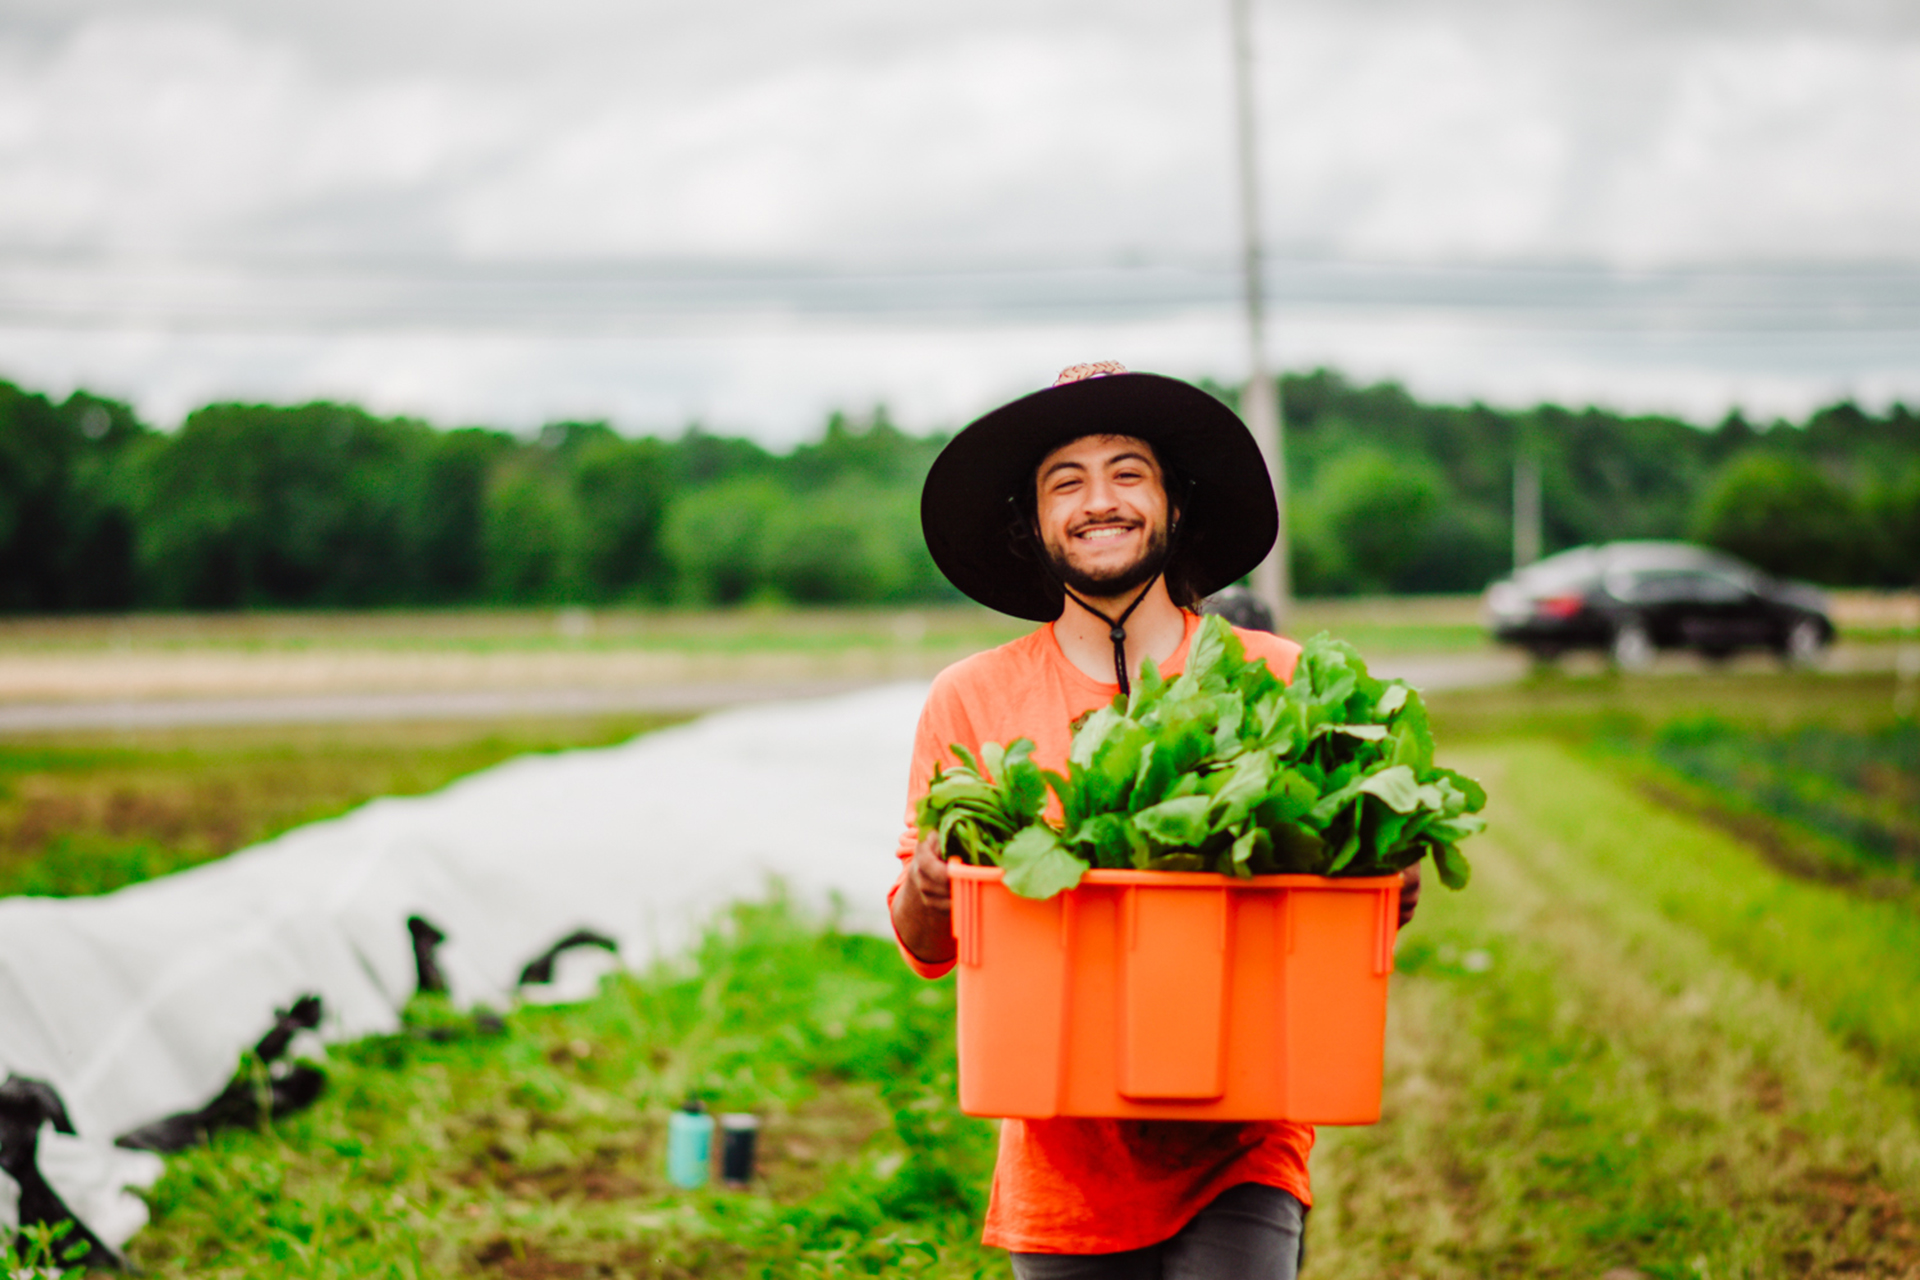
(1103, 533)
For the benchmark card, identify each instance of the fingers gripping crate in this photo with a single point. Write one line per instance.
(1170, 995)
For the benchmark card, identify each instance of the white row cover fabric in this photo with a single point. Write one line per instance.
(137, 1004)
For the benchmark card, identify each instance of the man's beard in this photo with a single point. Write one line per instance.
(1114, 582)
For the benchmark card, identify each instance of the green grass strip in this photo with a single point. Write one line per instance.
(1854, 962)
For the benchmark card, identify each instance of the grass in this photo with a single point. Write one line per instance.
(539, 1152)
(84, 814)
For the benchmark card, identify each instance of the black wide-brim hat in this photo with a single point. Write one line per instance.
(970, 509)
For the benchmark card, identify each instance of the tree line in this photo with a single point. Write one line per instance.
(324, 505)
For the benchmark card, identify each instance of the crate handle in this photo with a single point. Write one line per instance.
(1385, 926)
(966, 919)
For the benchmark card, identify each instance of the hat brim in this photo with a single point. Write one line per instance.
(969, 506)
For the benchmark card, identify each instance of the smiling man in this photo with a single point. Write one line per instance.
(1105, 507)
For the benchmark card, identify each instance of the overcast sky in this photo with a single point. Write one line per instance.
(751, 211)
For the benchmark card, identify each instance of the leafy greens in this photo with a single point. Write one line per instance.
(1224, 768)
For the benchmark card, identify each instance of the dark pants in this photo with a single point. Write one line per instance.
(1248, 1232)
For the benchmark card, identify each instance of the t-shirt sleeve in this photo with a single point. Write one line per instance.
(943, 722)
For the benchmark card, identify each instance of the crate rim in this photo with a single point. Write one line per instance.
(1188, 879)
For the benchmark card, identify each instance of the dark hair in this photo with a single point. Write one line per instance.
(1024, 515)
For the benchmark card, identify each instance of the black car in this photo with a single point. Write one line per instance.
(1633, 598)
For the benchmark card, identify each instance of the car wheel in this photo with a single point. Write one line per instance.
(1804, 644)
(1632, 646)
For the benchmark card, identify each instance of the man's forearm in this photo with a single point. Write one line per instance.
(925, 930)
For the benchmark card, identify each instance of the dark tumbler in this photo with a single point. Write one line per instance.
(738, 1132)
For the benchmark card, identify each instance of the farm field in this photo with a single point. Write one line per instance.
(1672, 1030)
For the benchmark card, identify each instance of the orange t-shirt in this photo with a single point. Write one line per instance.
(1072, 1185)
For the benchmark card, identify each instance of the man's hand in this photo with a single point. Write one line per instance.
(923, 909)
(1409, 893)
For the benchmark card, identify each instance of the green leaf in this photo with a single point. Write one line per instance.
(1348, 849)
(1147, 687)
(1412, 737)
(1209, 648)
(993, 760)
(1244, 847)
(1245, 786)
(1475, 793)
(1328, 808)
(1297, 850)
(1092, 735)
(1038, 865)
(1460, 828)
(1226, 732)
(1397, 787)
(1176, 823)
(1392, 700)
(1452, 865)
(1109, 839)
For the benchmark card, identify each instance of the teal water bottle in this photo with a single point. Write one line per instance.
(689, 1145)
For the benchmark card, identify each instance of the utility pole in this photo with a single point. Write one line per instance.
(1526, 494)
(1261, 404)
(1526, 509)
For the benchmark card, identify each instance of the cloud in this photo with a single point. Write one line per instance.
(1466, 130)
(202, 198)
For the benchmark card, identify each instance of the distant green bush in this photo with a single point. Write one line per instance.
(716, 539)
(1786, 517)
(1366, 519)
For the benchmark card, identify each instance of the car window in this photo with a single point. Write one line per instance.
(1679, 586)
(1553, 577)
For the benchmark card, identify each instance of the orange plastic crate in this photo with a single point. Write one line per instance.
(1171, 995)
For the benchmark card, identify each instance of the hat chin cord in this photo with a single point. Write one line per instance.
(1117, 629)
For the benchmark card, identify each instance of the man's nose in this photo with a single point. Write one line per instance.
(1101, 497)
